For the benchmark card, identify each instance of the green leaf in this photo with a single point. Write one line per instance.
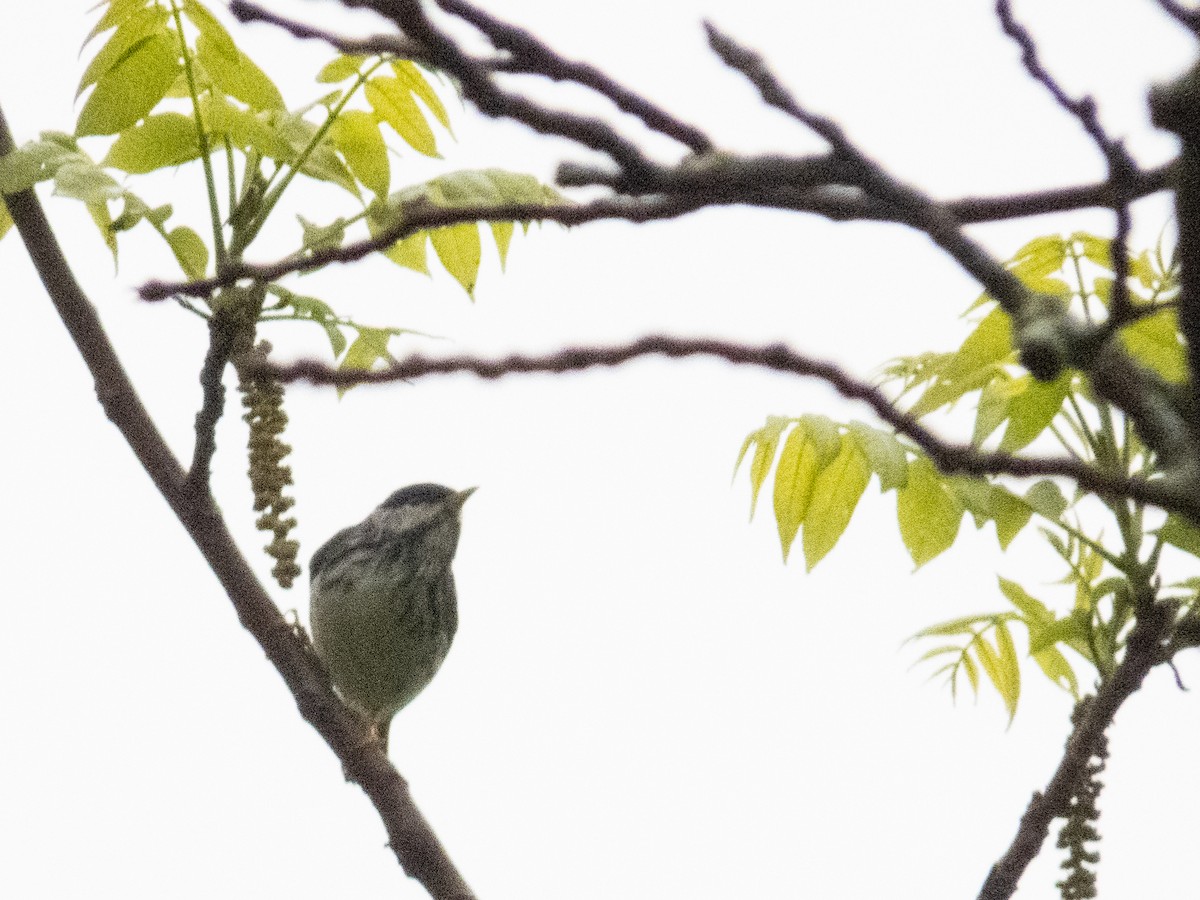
(1034, 611)
(340, 68)
(1058, 670)
(834, 497)
(502, 234)
(1010, 513)
(1010, 667)
(315, 310)
(6, 221)
(992, 407)
(411, 76)
(1156, 343)
(238, 76)
(458, 248)
(1039, 257)
(118, 12)
(393, 103)
(961, 625)
(356, 136)
(765, 442)
(190, 251)
(211, 31)
(129, 35)
(990, 342)
(244, 129)
(132, 87)
(1095, 248)
(103, 221)
(1180, 533)
(167, 139)
(322, 162)
(319, 237)
(928, 512)
(82, 179)
(1047, 500)
(366, 350)
(795, 476)
(1032, 410)
(884, 454)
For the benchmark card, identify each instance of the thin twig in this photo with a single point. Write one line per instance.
(530, 55)
(949, 457)
(1122, 170)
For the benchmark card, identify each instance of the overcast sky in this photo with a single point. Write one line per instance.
(643, 701)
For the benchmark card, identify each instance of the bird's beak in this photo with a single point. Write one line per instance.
(461, 497)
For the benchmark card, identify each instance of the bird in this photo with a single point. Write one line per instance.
(383, 607)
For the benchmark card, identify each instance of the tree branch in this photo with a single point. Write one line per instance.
(409, 834)
(1144, 650)
(949, 457)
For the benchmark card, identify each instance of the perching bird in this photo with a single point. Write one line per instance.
(383, 606)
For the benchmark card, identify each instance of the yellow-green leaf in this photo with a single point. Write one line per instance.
(502, 233)
(884, 454)
(411, 76)
(129, 34)
(118, 12)
(394, 104)
(765, 442)
(834, 497)
(6, 221)
(190, 251)
(1032, 410)
(211, 31)
(356, 136)
(928, 513)
(459, 249)
(166, 139)
(340, 68)
(795, 475)
(1155, 342)
(82, 179)
(238, 76)
(132, 87)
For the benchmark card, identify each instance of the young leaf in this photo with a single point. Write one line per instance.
(1032, 410)
(411, 76)
(795, 475)
(884, 454)
(132, 87)
(834, 497)
(190, 251)
(928, 512)
(1155, 341)
(765, 442)
(238, 76)
(129, 34)
(1178, 532)
(211, 31)
(393, 103)
(167, 139)
(356, 136)
(1033, 610)
(458, 248)
(1047, 500)
(340, 68)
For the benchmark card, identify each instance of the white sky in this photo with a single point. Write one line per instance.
(642, 701)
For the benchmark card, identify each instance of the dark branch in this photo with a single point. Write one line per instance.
(949, 457)
(529, 55)
(1122, 170)
(1144, 650)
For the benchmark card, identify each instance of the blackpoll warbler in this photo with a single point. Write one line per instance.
(383, 606)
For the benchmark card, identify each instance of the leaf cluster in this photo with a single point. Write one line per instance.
(821, 469)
